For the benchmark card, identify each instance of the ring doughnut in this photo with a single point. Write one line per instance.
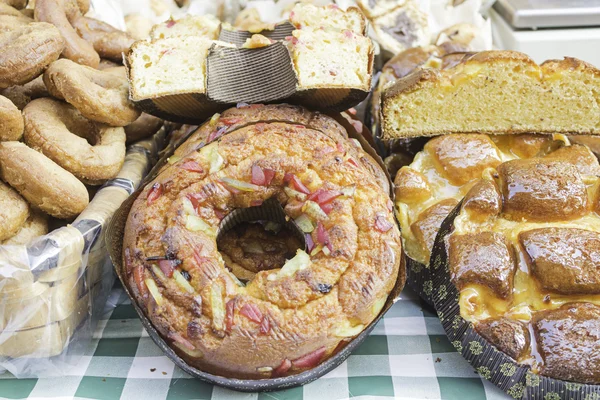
(21, 95)
(61, 133)
(14, 211)
(27, 49)
(108, 41)
(142, 127)
(61, 13)
(101, 96)
(36, 225)
(284, 320)
(42, 182)
(11, 121)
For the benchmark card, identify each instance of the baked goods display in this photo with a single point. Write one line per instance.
(320, 57)
(64, 170)
(288, 318)
(432, 102)
(523, 255)
(448, 167)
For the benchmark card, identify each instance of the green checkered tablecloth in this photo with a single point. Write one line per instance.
(407, 356)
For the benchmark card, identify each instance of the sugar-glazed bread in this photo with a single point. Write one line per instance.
(495, 92)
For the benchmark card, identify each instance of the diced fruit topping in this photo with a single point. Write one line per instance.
(293, 194)
(217, 306)
(153, 289)
(323, 236)
(349, 191)
(167, 267)
(192, 166)
(252, 312)
(194, 353)
(327, 208)
(262, 176)
(138, 277)
(298, 185)
(128, 260)
(381, 223)
(310, 244)
(378, 306)
(265, 325)
(309, 360)
(177, 337)
(182, 282)
(216, 134)
(195, 203)
(229, 314)
(314, 210)
(173, 159)
(282, 368)
(304, 223)
(352, 161)
(154, 193)
(264, 369)
(300, 261)
(213, 157)
(323, 196)
(214, 119)
(231, 121)
(240, 185)
(170, 23)
(196, 224)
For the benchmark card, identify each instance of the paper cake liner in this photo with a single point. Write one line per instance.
(514, 379)
(240, 75)
(114, 244)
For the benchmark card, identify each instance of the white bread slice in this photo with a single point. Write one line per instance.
(168, 66)
(495, 92)
(307, 16)
(332, 59)
(190, 25)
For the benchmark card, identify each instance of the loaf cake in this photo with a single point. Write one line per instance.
(329, 49)
(524, 254)
(496, 92)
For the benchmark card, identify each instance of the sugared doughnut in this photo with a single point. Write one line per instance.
(284, 320)
(27, 49)
(11, 121)
(142, 127)
(14, 211)
(108, 41)
(101, 96)
(36, 225)
(21, 95)
(61, 13)
(41, 181)
(60, 132)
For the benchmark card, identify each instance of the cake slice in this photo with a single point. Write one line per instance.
(402, 28)
(173, 65)
(495, 92)
(190, 25)
(308, 16)
(330, 58)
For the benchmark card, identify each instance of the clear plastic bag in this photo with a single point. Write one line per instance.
(53, 290)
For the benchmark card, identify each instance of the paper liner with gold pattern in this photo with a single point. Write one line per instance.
(114, 243)
(241, 75)
(514, 379)
(53, 289)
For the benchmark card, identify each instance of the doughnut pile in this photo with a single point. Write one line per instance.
(287, 317)
(63, 122)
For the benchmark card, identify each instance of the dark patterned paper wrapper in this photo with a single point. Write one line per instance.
(514, 379)
(114, 237)
(242, 75)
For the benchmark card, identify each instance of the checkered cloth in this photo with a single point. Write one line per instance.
(407, 356)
